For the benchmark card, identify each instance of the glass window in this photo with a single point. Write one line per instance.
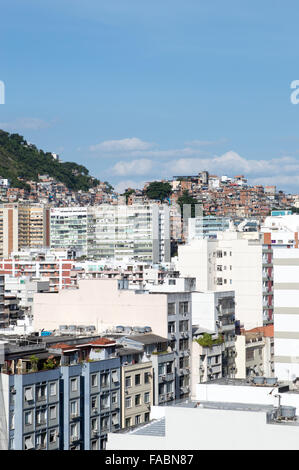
(52, 412)
(146, 377)
(74, 385)
(28, 418)
(128, 381)
(52, 389)
(171, 308)
(94, 380)
(128, 402)
(137, 379)
(137, 400)
(147, 397)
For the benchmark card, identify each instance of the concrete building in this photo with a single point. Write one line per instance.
(237, 261)
(286, 309)
(68, 228)
(213, 313)
(52, 398)
(255, 352)
(23, 225)
(106, 304)
(140, 232)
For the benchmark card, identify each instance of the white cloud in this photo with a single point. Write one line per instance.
(134, 167)
(123, 145)
(25, 123)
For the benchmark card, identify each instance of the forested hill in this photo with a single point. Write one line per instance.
(19, 159)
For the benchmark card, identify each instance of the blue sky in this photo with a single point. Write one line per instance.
(138, 90)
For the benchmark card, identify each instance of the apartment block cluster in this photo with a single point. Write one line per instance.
(108, 340)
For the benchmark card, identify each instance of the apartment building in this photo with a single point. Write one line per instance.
(4, 321)
(213, 317)
(136, 390)
(286, 309)
(119, 232)
(140, 232)
(23, 225)
(239, 261)
(53, 398)
(255, 352)
(44, 266)
(68, 228)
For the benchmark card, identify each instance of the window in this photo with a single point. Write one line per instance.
(137, 419)
(74, 408)
(41, 417)
(105, 401)
(169, 368)
(137, 400)
(94, 380)
(52, 412)
(147, 397)
(137, 379)
(183, 307)
(128, 381)
(74, 431)
(94, 445)
(53, 436)
(128, 402)
(105, 423)
(146, 417)
(146, 377)
(115, 419)
(172, 282)
(52, 389)
(114, 376)
(28, 418)
(74, 385)
(93, 403)
(28, 394)
(28, 441)
(94, 424)
(114, 399)
(41, 392)
(104, 380)
(128, 422)
(171, 308)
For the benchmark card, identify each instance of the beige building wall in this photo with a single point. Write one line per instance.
(99, 302)
(130, 391)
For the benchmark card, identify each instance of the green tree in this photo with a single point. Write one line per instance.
(158, 190)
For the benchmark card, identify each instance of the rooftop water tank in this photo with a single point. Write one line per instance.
(288, 412)
(258, 380)
(271, 380)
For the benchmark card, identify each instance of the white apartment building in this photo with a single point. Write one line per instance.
(120, 232)
(68, 228)
(239, 261)
(286, 313)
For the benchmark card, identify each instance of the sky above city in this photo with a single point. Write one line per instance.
(139, 90)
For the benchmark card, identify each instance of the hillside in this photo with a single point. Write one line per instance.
(18, 159)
